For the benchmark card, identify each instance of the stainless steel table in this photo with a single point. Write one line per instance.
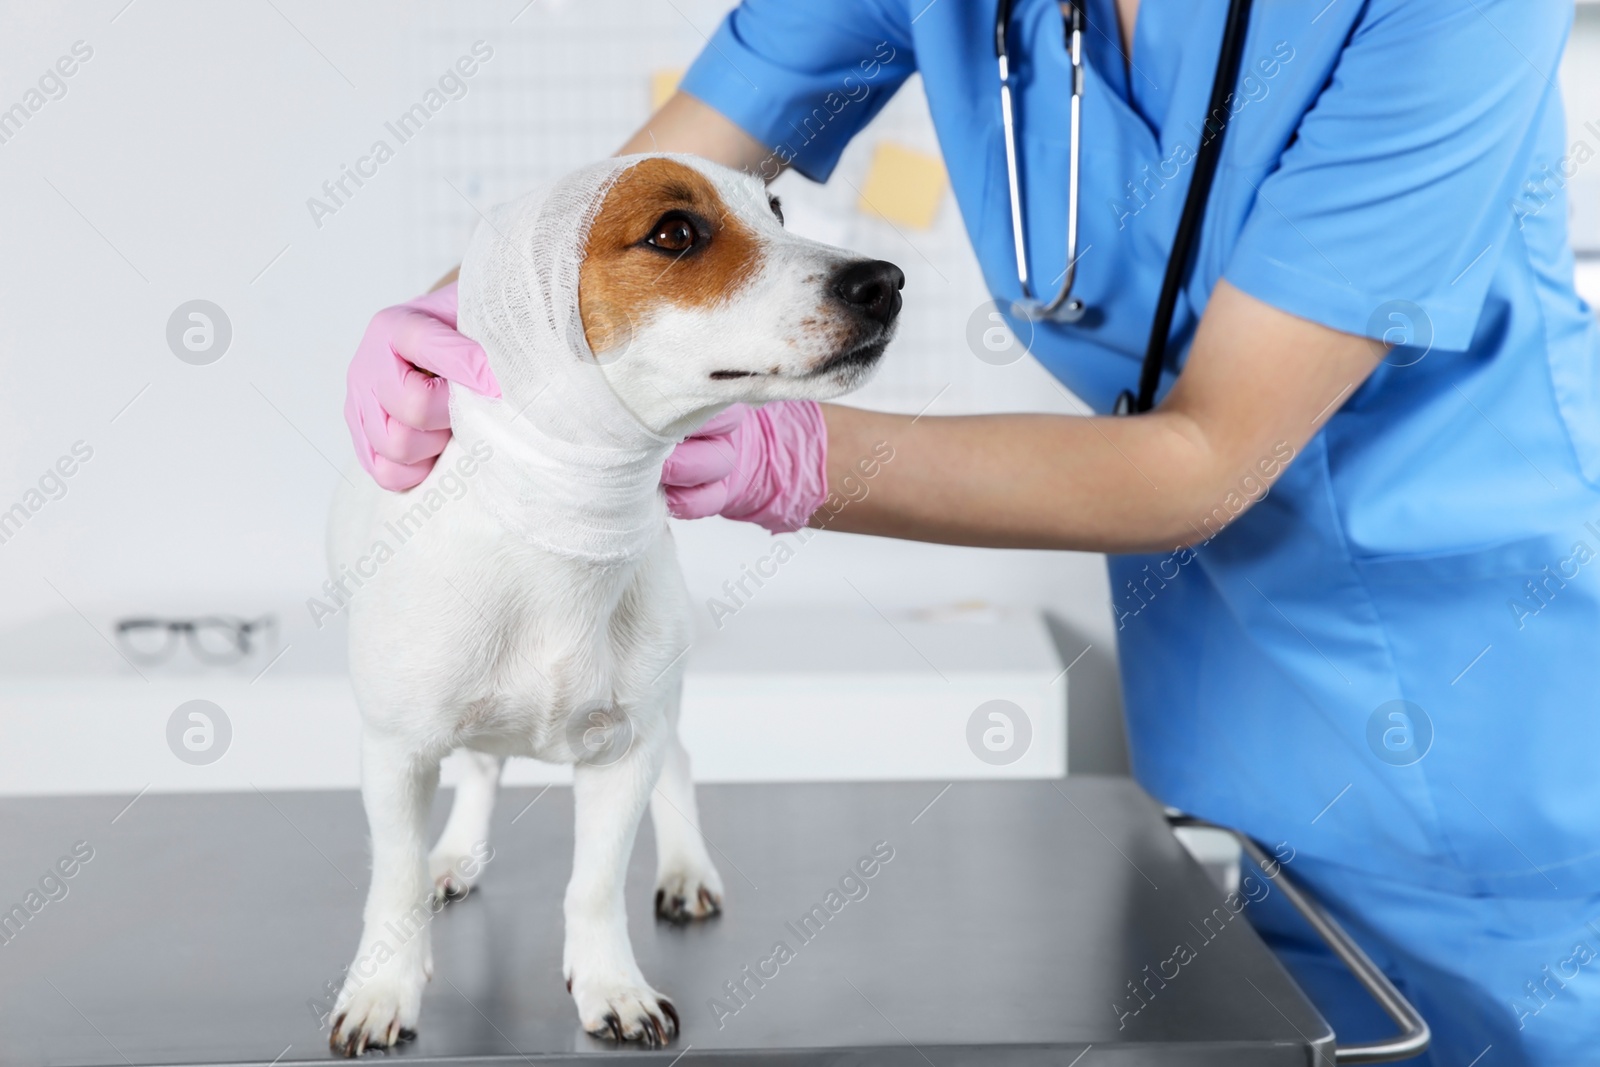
(1011, 927)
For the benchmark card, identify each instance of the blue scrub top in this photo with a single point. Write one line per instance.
(1392, 660)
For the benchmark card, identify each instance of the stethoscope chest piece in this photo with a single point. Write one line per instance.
(1071, 311)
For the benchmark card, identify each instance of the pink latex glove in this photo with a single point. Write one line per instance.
(397, 399)
(765, 465)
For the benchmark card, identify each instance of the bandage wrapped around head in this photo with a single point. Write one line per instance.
(572, 471)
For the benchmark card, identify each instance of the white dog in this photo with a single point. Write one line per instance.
(525, 600)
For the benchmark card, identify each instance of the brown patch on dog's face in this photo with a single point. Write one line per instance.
(662, 236)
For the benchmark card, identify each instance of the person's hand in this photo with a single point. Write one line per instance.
(397, 399)
(766, 465)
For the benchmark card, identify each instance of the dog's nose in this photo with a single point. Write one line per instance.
(872, 287)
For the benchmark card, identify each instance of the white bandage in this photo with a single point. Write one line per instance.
(573, 471)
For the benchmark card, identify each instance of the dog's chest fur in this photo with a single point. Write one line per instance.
(511, 641)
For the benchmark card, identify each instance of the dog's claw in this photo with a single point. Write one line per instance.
(448, 891)
(369, 1023)
(448, 869)
(710, 903)
(651, 1020)
(676, 908)
(358, 1041)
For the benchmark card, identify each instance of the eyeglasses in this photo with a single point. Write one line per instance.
(217, 639)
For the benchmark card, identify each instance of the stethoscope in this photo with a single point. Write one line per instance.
(1064, 307)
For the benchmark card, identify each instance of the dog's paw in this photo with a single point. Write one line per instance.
(624, 1011)
(684, 896)
(380, 1014)
(453, 874)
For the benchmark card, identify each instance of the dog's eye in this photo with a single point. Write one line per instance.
(777, 208)
(674, 233)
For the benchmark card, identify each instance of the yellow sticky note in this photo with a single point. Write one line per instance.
(663, 83)
(903, 186)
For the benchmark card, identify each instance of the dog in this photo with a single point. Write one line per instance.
(536, 607)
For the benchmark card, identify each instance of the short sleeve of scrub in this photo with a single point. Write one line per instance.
(804, 78)
(1399, 184)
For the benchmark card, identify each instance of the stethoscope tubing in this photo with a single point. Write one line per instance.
(1064, 307)
(1187, 237)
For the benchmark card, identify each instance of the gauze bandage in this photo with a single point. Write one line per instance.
(573, 471)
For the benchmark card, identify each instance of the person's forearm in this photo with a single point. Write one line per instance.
(1023, 481)
(1258, 383)
(685, 124)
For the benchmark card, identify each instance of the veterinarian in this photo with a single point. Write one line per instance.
(1391, 660)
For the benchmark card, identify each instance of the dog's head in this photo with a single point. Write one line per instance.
(693, 296)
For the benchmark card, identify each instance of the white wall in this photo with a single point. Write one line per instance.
(178, 166)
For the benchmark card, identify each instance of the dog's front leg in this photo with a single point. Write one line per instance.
(613, 998)
(382, 993)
